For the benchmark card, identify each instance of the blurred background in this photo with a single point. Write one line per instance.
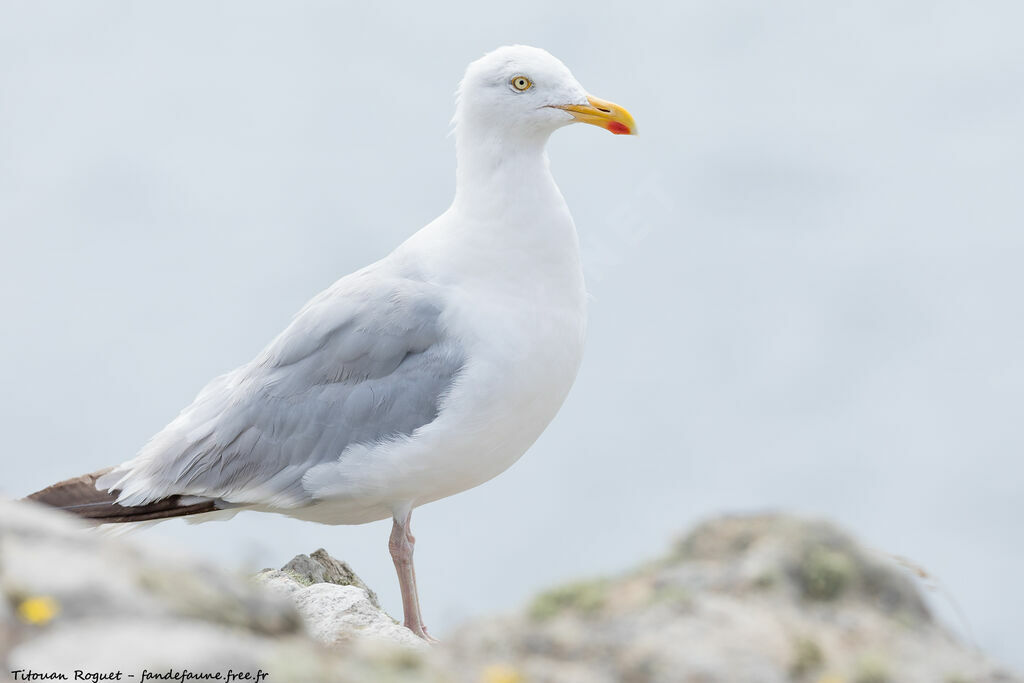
(806, 271)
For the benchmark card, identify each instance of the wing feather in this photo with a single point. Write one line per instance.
(365, 361)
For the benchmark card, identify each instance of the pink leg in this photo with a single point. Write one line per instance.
(401, 546)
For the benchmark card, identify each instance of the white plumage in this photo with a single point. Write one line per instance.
(423, 374)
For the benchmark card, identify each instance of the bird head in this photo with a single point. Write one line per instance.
(525, 90)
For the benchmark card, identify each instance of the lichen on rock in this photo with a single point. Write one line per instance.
(741, 599)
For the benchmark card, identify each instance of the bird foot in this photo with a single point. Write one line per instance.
(421, 631)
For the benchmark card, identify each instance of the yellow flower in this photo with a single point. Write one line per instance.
(501, 673)
(38, 610)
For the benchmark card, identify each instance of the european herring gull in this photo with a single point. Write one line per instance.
(419, 376)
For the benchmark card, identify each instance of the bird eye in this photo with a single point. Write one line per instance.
(521, 83)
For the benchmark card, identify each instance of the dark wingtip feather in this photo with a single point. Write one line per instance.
(79, 496)
(75, 493)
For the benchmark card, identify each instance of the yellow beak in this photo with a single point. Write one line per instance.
(602, 113)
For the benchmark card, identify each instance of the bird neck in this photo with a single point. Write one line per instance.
(508, 222)
(498, 173)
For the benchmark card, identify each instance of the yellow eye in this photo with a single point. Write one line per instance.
(521, 83)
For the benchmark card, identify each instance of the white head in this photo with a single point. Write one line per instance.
(523, 92)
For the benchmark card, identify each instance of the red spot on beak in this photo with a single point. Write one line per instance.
(618, 128)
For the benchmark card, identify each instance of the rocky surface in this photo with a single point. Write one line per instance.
(73, 599)
(334, 603)
(759, 599)
(747, 599)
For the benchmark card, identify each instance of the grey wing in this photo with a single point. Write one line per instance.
(364, 362)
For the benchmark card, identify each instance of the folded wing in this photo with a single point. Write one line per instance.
(366, 361)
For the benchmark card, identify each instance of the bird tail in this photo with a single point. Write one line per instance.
(79, 496)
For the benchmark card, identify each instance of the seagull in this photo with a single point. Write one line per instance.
(419, 376)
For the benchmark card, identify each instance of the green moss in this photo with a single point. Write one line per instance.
(807, 658)
(872, 669)
(401, 659)
(742, 541)
(587, 597)
(825, 573)
(298, 578)
(671, 594)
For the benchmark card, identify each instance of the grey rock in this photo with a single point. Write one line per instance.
(336, 612)
(322, 568)
(751, 599)
(72, 598)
